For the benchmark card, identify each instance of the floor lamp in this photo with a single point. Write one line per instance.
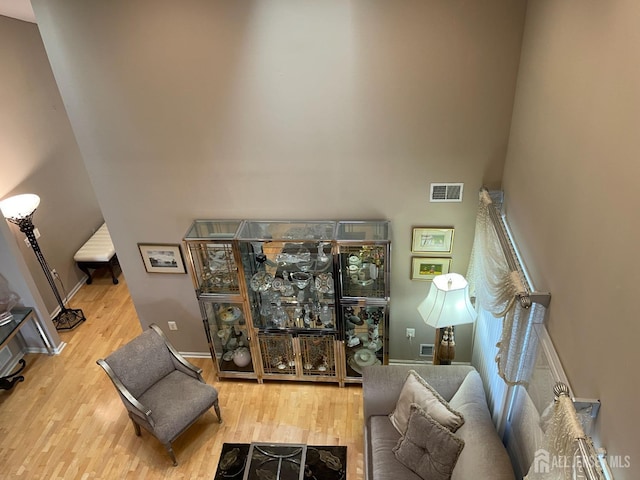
(446, 306)
(19, 209)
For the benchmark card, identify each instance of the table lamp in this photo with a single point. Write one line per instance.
(446, 306)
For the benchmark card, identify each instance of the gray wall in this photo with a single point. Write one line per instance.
(284, 109)
(570, 184)
(39, 154)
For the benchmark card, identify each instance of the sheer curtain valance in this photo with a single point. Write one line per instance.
(496, 287)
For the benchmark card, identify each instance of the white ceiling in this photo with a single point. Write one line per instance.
(20, 9)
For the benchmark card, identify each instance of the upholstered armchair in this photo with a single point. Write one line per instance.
(161, 391)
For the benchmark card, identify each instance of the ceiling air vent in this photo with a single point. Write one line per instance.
(446, 192)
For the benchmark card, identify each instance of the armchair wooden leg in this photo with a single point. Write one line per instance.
(216, 407)
(136, 427)
(171, 454)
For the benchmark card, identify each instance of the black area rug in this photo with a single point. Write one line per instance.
(323, 462)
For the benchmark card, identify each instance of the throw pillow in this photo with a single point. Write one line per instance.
(417, 390)
(428, 449)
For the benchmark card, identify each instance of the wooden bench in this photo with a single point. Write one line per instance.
(98, 252)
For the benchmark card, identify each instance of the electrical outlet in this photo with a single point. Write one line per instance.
(411, 332)
(172, 325)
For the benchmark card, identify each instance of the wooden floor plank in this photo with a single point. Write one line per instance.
(66, 421)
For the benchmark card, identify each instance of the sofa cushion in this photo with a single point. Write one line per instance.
(428, 448)
(175, 401)
(484, 455)
(417, 390)
(383, 437)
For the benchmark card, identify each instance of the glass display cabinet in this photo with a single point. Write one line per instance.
(288, 268)
(292, 300)
(213, 258)
(363, 251)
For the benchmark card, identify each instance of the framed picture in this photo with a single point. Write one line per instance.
(426, 268)
(162, 257)
(432, 240)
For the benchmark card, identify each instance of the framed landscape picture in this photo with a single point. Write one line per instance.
(432, 240)
(426, 268)
(162, 257)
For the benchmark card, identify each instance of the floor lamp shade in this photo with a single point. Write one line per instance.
(447, 303)
(19, 207)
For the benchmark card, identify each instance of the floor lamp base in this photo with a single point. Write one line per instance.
(68, 319)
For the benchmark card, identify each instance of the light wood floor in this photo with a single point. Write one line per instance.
(65, 421)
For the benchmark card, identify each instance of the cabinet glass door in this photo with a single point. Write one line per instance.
(362, 271)
(209, 245)
(365, 337)
(364, 250)
(278, 354)
(289, 274)
(229, 336)
(318, 355)
(215, 268)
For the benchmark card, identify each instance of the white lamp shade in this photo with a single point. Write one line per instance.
(447, 303)
(19, 206)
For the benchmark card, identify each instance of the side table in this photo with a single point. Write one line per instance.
(21, 316)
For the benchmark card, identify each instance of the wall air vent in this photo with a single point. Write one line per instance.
(426, 349)
(446, 192)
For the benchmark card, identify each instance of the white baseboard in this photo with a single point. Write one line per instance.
(77, 287)
(70, 295)
(396, 361)
(427, 361)
(56, 351)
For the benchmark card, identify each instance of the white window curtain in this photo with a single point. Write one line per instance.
(560, 457)
(495, 288)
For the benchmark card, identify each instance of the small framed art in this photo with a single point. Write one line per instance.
(426, 268)
(432, 240)
(162, 257)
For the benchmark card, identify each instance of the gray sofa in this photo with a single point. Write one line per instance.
(483, 456)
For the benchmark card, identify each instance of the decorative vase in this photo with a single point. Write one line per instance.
(242, 356)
